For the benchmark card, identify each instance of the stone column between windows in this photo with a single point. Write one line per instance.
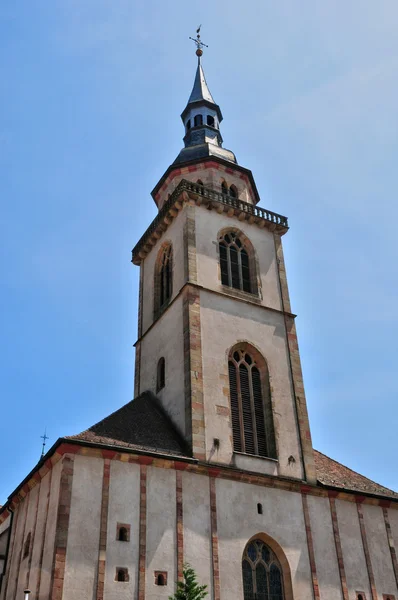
(62, 527)
(391, 543)
(310, 544)
(366, 551)
(339, 552)
(296, 372)
(103, 530)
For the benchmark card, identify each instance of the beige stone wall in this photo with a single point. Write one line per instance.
(174, 234)
(161, 531)
(124, 507)
(84, 528)
(238, 521)
(208, 226)
(225, 322)
(166, 339)
(351, 544)
(379, 551)
(324, 548)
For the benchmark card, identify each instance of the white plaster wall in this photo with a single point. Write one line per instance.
(166, 339)
(352, 548)
(39, 535)
(224, 322)
(379, 550)
(197, 531)
(29, 528)
(161, 544)
(175, 235)
(238, 521)
(124, 507)
(324, 548)
(208, 225)
(84, 528)
(49, 539)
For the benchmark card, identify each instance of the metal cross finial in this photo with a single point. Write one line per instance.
(44, 438)
(199, 43)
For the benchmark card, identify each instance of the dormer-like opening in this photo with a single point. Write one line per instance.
(210, 121)
(233, 192)
(198, 120)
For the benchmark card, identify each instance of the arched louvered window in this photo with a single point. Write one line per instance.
(210, 121)
(234, 262)
(161, 374)
(198, 120)
(261, 573)
(251, 407)
(163, 278)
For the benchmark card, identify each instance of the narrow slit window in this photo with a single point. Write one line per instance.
(26, 548)
(260, 508)
(161, 374)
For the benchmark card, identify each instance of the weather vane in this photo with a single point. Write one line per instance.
(199, 43)
(44, 438)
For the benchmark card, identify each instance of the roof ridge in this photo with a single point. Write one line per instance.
(355, 472)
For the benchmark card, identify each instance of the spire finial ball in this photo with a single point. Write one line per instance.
(199, 52)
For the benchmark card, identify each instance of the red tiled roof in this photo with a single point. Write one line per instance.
(332, 473)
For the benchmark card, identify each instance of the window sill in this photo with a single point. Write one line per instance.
(235, 293)
(256, 464)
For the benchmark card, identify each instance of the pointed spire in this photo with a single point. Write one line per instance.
(200, 90)
(202, 118)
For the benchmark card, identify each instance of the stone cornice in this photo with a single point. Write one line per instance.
(187, 192)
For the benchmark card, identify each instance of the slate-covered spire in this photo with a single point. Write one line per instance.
(202, 118)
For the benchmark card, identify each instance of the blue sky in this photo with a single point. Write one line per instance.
(91, 97)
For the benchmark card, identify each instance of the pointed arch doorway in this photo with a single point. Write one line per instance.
(265, 571)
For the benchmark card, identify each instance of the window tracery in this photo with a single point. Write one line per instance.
(163, 278)
(234, 262)
(262, 573)
(251, 406)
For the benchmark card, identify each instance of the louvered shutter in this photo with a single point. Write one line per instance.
(233, 254)
(224, 264)
(245, 271)
(246, 410)
(233, 388)
(259, 413)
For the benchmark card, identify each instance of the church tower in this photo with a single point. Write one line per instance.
(216, 335)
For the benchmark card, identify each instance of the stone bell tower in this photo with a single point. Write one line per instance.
(216, 336)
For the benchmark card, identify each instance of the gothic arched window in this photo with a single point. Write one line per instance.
(161, 374)
(262, 573)
(163, 278)
(233, 192)
(234, 262)
(251, 407)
